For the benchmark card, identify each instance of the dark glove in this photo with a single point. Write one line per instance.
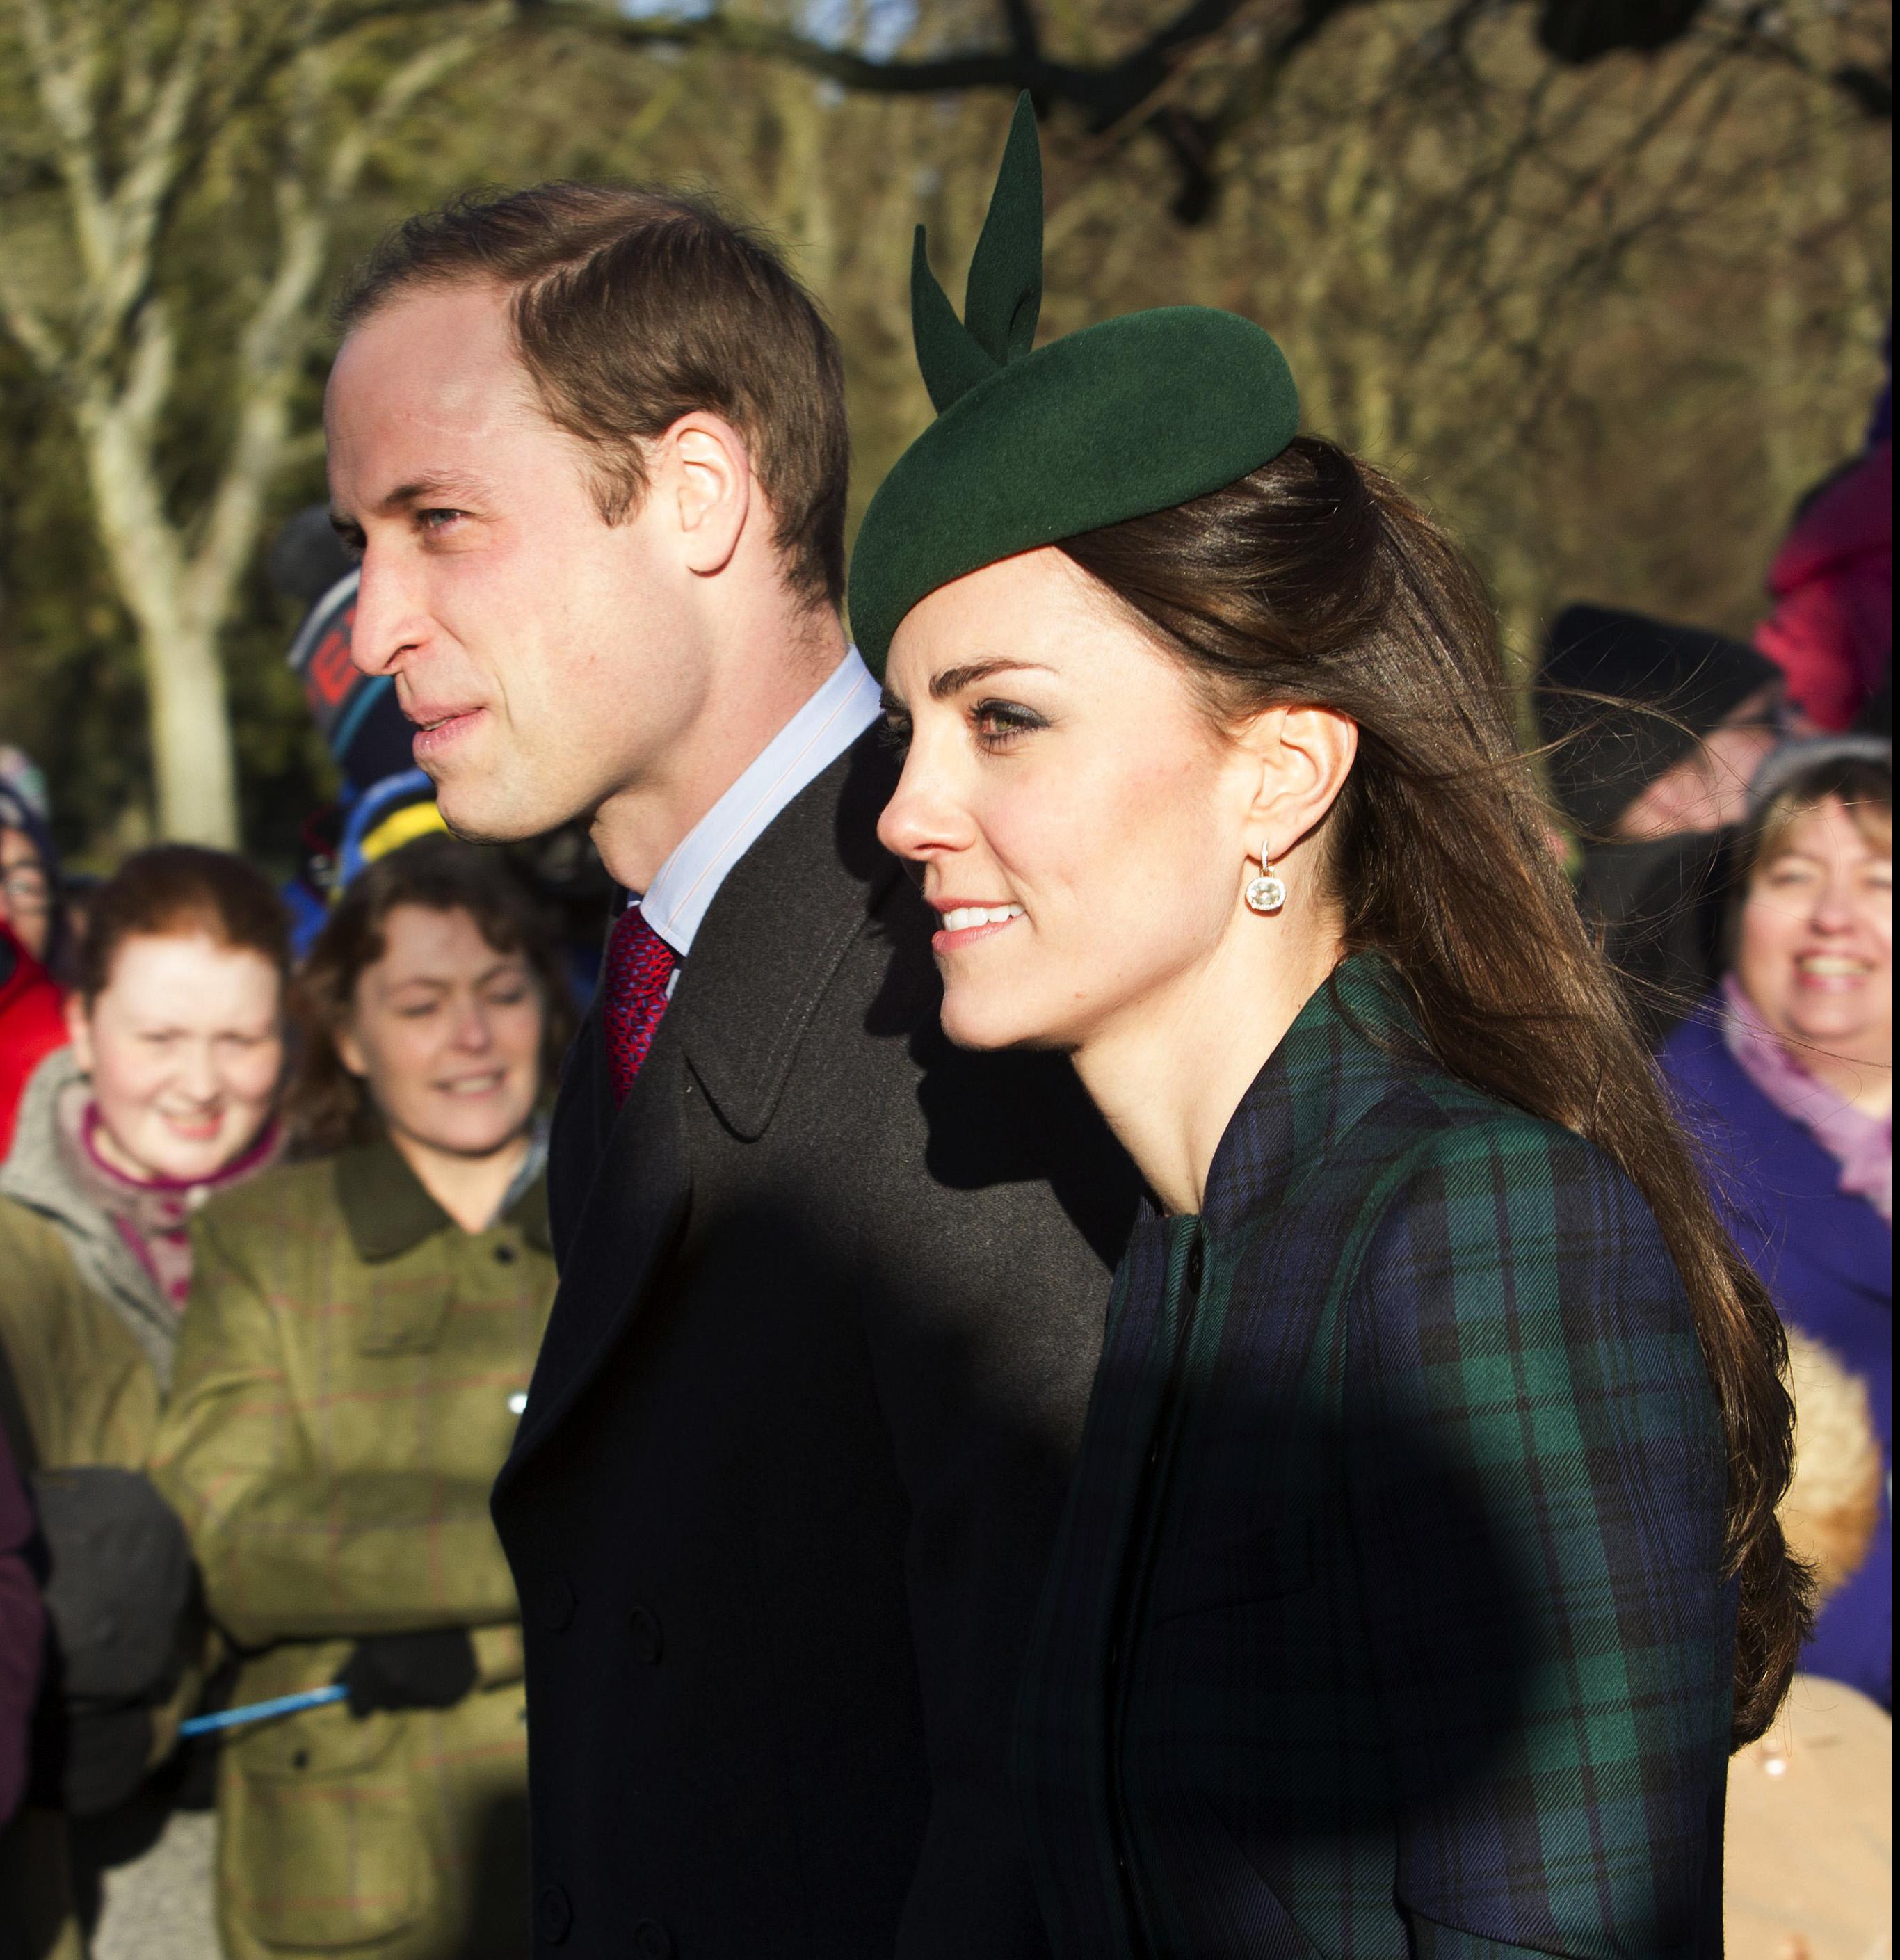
(431, 1670)
(97, 1757)
(119, 1585)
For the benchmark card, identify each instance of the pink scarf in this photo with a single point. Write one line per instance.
(1861, 1144)
(154, 1217)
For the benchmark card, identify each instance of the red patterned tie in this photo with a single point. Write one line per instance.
(639, 963)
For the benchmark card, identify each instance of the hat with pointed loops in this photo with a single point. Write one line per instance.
(1032, 445)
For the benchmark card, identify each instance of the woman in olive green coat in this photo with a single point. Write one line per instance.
(354, 1359)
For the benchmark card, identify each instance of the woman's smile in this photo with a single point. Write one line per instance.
(965, 924)
(1832, 973)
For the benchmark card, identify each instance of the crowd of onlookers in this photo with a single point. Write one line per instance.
(275, 1263)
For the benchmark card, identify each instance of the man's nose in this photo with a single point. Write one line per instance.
(390, 620)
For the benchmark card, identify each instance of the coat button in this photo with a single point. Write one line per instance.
(644, 1631)
(652, 1941)
(504, 1254)
(553, 1605)
(553, 1915)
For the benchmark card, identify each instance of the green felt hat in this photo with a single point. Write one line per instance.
(1032, 445)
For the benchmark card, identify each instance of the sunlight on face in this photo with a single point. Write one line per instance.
(1073, 810)
(446, 1033)
(184, 1048)
(539, 649)
(1815, 954)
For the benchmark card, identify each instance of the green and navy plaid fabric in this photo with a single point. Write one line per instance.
(1387, 1617)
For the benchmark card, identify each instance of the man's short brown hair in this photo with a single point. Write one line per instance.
(633, 306)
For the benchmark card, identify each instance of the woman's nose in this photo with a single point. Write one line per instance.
(471, 1032)
(920, 820)
(198, 1072)
(1833, 908)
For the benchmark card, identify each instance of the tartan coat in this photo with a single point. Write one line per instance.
(1387, 1617)
(349, 1374)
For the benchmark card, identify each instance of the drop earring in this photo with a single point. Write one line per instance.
(1268, 893)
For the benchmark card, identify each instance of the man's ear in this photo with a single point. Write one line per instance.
(703, 469)
(79, 1032)
(1304, 756)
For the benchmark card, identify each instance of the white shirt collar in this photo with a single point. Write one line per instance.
(684, 886)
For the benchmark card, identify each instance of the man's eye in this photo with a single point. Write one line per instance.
(436, 521)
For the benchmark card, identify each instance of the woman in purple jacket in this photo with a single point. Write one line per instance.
(1787, 1079)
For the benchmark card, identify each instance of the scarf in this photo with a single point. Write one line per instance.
(1861, 1144)
(153, 1216)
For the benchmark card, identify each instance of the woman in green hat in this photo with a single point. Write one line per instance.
(1421, 1568)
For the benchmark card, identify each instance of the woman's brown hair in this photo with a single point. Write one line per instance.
(177, 891)
(1316, 582)
(328, 1107)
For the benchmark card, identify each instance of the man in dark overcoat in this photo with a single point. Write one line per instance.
(832, 1292)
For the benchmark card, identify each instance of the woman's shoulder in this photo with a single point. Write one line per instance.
(289, 1193)
(33, 1251)
(1486, 1166)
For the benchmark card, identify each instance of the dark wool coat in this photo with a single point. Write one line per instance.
(831, 1295)
(1826, 1256)
(1386, 1619)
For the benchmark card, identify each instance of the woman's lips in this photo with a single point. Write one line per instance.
(965, 924)
(1832, 973)
(192, 1129)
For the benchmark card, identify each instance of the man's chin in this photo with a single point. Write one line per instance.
(485, 813)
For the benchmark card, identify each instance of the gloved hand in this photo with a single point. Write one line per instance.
(428, 1670)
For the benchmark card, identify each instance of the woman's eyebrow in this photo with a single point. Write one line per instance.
(953, 680)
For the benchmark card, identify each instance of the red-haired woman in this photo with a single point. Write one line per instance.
(166, 1095)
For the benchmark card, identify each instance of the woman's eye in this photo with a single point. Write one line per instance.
(420, 1012)
(894, 732)
(999, 722)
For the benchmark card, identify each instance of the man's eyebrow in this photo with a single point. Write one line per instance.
(405, 496)
(953, 680)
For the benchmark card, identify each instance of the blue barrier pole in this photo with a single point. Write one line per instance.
(262, 1711)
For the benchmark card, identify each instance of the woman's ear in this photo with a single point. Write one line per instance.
(349, 1052)
(1304, 756)
(79, 1031)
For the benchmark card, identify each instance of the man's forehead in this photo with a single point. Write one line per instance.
(420, 394)
(440, 354)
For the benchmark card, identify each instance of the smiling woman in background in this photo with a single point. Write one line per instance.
(166, 1095)
(1788, 1081)
(355, 1358)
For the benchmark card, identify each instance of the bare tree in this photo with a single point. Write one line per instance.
(132, 106)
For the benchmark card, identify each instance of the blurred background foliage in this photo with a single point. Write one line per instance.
(1612, 308)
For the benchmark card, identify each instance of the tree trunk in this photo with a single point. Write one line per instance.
(194, 767)
(192, 759)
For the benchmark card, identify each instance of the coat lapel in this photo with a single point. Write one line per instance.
(772, 941)
(767, 949)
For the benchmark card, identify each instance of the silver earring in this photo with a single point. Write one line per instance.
(1268, 893)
